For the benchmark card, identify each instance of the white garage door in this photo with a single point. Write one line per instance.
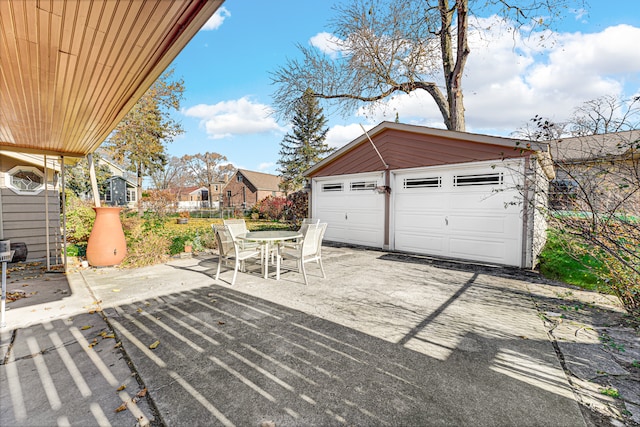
(352, 208)
(459, 211)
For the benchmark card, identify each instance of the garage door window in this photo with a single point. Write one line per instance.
(332, 187)
(429, 182)
(484, 179)
(363, 185)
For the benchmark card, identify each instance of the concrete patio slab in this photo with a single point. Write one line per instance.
(385, 339)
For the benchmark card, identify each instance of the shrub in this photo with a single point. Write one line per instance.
(161, 202)
(298, 207)
(80, 218)
(273, 208)
(144, 246)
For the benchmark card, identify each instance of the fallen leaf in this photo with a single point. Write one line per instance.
(115, 290)
(139, 310)
(118, 345)
(154, 345)
(111, 335)
(122, 387)
(142, 393)
(122, 407)
(220, 322)
(85, 327)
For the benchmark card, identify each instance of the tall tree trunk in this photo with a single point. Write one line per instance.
(453, 65)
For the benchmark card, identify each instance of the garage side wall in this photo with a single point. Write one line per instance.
(538, 197)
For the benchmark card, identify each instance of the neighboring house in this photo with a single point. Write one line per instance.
(119, 189)
(26, 209)
(432, 191)
(246, 188)
(192, 197)
(599, 160)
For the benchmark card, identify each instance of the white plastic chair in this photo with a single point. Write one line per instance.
(238, 227)
(303, 228)
(309, 249)
(229, 250)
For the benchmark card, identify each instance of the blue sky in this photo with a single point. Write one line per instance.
(226, 68)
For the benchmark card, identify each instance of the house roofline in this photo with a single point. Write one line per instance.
(425, 130)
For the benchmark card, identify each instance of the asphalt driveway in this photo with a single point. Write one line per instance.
(386, 339)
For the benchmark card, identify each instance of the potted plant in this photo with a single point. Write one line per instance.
(188, 246)
(183, 217)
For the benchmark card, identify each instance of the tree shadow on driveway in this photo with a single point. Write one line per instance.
(228, 358)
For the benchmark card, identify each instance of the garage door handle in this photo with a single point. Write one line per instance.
(446, 220)
(345, 216)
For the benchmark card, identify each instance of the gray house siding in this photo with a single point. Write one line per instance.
(24, 220)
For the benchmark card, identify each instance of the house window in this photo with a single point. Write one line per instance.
(273, 193)
(131, 195)
(332, 187)
(229, 194)
(25, 180)
(363, 185)
(428, 182)
(483, 179)
(107, 195)
(239, 178)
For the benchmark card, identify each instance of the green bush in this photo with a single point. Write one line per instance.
(80, 218)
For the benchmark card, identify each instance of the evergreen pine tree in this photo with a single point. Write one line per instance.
(305, 146)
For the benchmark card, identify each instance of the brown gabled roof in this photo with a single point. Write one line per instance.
(424, 133)
(591, 147)
(262, 181)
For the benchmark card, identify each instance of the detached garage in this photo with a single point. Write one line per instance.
(430, 191)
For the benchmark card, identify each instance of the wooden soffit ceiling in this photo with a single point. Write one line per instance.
(71, 69)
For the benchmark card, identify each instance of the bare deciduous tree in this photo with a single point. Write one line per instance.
(595, 198)
(172, 175)
(383, 47)
(207, 169)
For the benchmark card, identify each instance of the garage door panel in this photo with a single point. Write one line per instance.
(420, 242)
(421, 221)
(353, 215)
(470, 215)
(481, 250)
(476, 224)
(422, 201)
(493, 202)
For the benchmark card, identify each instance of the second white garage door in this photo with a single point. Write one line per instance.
(460, 211)
(352, 208)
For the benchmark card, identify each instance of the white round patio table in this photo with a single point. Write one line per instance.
(267, 238)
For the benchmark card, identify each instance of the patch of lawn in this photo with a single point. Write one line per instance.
(557, 262)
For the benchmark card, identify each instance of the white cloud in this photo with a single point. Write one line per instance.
(236, 117)
(340, 135)
(217, 19)
(509, 79)
(266, 166)
(327, 43)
